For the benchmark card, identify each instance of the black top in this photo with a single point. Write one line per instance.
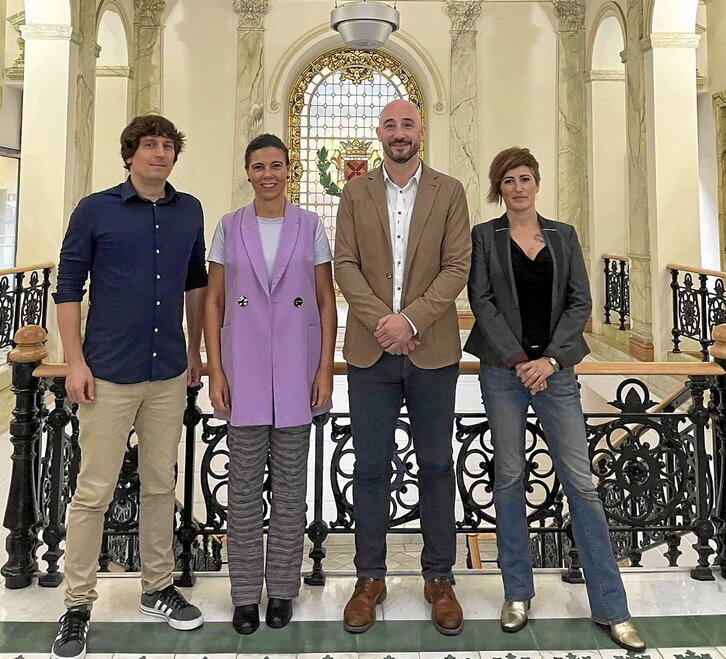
(141, 256)
(533, 279)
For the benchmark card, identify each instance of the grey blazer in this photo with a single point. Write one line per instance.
(496, 337)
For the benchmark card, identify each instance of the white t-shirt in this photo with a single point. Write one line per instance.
(270, 232)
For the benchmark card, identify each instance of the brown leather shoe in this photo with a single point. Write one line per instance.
(360, 611)
(446, 613)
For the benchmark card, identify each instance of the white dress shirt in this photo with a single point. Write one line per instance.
(400, 203)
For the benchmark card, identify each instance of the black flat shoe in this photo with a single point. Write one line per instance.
(246, 618)
(279, 612)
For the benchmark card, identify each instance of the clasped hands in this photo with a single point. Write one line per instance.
(534, 374)
(395, 334)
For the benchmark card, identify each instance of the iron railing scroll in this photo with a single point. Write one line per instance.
(23, 299)
(699, 305)
(717, 409)
(617, 288)
(653, 471)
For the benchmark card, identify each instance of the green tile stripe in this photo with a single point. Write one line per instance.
(386, 636)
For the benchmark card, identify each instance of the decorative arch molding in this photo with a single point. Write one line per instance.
(319, 40)
(671, 16)
(607, 10)
(118, 8)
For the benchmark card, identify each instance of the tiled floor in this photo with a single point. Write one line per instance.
(678, 617)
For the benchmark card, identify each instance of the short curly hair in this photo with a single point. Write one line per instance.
(145, 125)
(510, 158)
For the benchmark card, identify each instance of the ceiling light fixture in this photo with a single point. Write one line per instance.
(363, 24)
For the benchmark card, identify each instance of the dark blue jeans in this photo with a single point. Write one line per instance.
(376, 395)
(560, 413)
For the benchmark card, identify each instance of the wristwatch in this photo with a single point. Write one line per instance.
(554, 363)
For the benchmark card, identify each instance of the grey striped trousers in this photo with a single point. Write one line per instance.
(248, 450)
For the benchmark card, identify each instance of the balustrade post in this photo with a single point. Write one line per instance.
(54, 471)
(573, 574)
(704, 339)
(607, 291)
(624, 309)
(21, 515)
(188, 529)
(703, 526)
(46, 288)
(17, 299)
(717, 408)
(318, 529)
(674, 301)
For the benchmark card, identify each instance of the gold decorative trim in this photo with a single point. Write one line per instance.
(356, 66)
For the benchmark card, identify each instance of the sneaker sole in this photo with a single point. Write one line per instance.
(181, 625)
(81, 655)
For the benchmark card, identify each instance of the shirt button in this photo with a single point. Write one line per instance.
(158, 276)
(158, 251)
(158, 303)
(153, 354)
(156, 329)
(157, 226)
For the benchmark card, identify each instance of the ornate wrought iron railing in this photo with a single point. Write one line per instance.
(697, 307)
(23, 299)
(617, 288)
(655, 473)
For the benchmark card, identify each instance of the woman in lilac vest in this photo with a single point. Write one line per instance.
(270, 327)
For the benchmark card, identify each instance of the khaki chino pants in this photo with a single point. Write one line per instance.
(155, 410)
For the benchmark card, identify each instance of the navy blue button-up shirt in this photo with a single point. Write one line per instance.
(141, 256)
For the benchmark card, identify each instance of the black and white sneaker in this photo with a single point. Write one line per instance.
(71, 640)
(171, 605)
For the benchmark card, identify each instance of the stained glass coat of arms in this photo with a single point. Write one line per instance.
(333, 115)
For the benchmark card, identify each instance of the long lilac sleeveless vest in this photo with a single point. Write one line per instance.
(271, 333)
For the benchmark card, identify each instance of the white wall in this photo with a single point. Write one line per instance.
(708, 193)
(200, 49)
(518, 92)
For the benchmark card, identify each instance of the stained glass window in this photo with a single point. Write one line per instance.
(333, 114)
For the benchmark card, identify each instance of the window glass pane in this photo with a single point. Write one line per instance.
(9, 170)
(334, 109)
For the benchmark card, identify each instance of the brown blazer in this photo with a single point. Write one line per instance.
(436, 270)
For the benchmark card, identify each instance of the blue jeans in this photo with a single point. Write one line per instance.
(560, 413)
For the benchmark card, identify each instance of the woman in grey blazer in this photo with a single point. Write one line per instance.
(530, 295)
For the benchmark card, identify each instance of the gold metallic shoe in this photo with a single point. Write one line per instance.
(626, 636)
(514, 616)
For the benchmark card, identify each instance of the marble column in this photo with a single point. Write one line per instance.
(85, 94)
(148, 56)
(572, 183)
(250, 101)
(641, 299)
(719, 111)
(673, 194)
(464, 116)
(47, 143)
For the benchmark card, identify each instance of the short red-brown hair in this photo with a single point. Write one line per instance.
(510, 158)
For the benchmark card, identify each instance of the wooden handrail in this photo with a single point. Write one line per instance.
(698, 271)
(615, 257)
(26, 268)
(472, 368)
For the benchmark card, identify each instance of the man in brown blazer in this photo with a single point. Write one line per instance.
(402, 255)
